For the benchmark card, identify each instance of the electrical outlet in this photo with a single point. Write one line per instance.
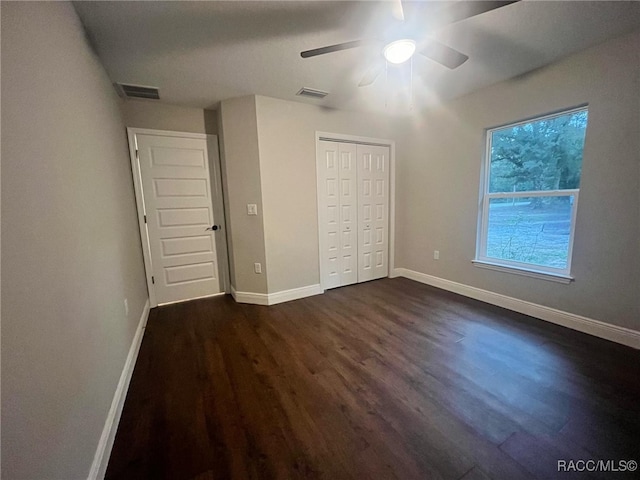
(126, 307)
(257, 267)
(436, 254)
(252, 209)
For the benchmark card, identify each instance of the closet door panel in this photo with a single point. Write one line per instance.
(329, 212)
(366, 207)
(348, 214)
(373, 197)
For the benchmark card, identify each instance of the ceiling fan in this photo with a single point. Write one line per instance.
(402, 41)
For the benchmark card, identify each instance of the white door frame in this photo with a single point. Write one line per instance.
(215, 177)
(341, 137)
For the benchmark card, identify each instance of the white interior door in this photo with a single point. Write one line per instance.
(176, 196)
(373, 212)
(337, 197)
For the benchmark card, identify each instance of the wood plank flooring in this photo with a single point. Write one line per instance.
(389, 379)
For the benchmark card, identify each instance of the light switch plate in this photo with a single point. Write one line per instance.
(252, 209)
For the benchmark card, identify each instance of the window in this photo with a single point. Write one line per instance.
(530, 194)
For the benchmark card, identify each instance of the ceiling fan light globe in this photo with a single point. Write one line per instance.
(399, 51)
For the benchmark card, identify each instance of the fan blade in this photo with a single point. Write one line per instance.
(397, 10)
(332, 48)
(459, 11)
(442, 54)
(371, 75)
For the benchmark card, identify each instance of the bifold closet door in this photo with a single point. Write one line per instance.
(353, 210)
(373, 212)
(337, 197)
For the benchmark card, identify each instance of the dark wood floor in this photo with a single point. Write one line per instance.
(382, 380)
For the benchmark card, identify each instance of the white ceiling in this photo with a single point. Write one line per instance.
(199, 53)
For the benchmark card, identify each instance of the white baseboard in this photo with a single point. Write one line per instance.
(277, 297)
(249, 297)
(625, 336)
(101, 458)
(294, 294)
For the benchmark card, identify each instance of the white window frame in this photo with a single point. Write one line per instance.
(521, 268)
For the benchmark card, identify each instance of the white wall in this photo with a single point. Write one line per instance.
(71, 249)
(156, 115)
(286, 134)
(438, 174)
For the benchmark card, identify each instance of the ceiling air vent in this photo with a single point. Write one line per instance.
(137, 91)
(312, 93)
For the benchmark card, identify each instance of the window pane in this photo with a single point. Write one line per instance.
(534, 230)
(539, 155)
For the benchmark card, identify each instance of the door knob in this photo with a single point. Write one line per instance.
(212, 227)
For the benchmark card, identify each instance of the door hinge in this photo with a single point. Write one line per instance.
(153, 280)
(145, 219)
(137, 156)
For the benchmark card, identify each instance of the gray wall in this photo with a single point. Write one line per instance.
(287, 145)
(240, 158)
(438, 175)
(71, 249)
(156, 115)
(269, 158)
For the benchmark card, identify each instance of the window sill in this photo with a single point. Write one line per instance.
(552, 277)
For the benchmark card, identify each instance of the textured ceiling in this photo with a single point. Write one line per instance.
(199, 53)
